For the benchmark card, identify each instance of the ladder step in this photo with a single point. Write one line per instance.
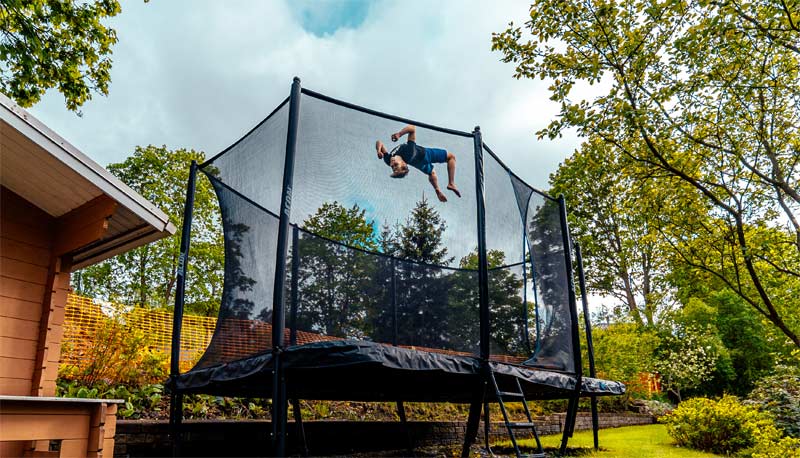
(511, 394)
(534, 455)
(521, 425)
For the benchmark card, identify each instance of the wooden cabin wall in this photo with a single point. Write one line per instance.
(33, 290)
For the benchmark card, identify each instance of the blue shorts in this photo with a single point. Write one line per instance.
(433, 156)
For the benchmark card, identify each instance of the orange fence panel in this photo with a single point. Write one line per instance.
(84, 317)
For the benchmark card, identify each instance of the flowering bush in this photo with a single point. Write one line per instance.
(727, 427)
(688, 361)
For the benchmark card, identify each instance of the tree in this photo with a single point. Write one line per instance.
(624, 351)
(425, 300)
(506, 310)
(624, 255)
(420, 237)
(146, 275)
(699, 95)
(751, 345)
(335, 281)
(346, 225)
(56, 43)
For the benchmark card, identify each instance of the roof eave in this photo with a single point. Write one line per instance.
(83, 165)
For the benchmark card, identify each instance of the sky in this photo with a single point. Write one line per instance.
(199, 74)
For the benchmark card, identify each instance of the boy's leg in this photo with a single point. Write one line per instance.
(451, 174)
(438, 155)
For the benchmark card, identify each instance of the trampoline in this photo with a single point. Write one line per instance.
(470, 300)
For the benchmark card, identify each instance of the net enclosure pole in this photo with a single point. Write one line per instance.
(176, 398)
(294, 291)
(483, 296)
(483, 265)
(572, 409)
(589, 345)
(393, 294)
(279, 407)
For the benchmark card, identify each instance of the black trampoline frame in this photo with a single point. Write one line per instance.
(280, 402)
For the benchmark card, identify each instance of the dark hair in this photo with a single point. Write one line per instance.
(400, 173)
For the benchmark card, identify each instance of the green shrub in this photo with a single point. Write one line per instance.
(779, 394)
(139, 400)
(787, 447)
(725, 427)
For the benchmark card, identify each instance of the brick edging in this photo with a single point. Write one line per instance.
(251, 437)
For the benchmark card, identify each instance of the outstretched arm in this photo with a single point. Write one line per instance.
(410, 130)
(435, 183)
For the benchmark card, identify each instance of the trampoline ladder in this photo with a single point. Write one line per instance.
(515, 396)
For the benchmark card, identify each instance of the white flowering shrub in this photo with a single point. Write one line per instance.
(688, 361)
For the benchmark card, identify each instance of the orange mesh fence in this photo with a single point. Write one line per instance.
(242, 338)
(83, 318)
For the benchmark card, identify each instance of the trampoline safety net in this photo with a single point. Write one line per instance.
(409, 280)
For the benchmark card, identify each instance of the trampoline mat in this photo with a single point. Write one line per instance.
(357, 370)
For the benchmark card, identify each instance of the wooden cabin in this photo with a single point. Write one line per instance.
(59, 211)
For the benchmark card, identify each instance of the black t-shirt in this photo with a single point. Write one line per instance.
(412, 153)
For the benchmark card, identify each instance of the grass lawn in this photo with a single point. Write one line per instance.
(651, 441)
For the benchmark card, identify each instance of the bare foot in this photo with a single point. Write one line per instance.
(441, 196)
(453, 188)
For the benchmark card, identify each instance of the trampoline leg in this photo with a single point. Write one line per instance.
(401, 412)
(175, 421)
(595, 423)
(298, 424)
(487, 428)
(472, 423)
(279, 414)
(569, 423)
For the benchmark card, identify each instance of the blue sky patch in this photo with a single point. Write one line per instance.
(325, 17)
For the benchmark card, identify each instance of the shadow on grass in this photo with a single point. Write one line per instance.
(550, 451)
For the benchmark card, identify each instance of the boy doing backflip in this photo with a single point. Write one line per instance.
(419, 157)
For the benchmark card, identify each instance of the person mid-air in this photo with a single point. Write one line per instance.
(420, 157)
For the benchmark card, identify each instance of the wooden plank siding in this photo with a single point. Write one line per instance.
(51, 330)
(84, 429)
(35, 264)
(25, 240)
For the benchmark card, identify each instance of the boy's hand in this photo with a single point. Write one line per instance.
(379, 149)
(395, 137)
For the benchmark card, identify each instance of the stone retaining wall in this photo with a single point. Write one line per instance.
(137, 438)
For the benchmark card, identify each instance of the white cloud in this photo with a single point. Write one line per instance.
(199, 74)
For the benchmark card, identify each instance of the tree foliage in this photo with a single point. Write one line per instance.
(779, 394)
(146, 275)
(335, 281)
(346, 225)
(507, 314)
(410, 298)
(697, 94)
(419, 238)
(56, 43)
(751, 346)
(625, 257)
(624, 351)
